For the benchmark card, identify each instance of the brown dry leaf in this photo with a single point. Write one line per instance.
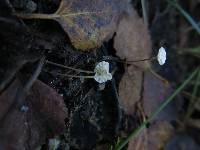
(132, 41)
(87, 23)
(155, 92)
(130, 89)
(152, 138)
(20, 129)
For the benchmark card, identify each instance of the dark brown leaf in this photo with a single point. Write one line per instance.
(28, 128)
(49, 105)
(87, 23)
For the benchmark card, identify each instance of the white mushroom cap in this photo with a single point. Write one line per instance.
(102, 72)
(161, 57)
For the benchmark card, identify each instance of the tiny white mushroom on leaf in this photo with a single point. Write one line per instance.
(102, 72)
(161, 57)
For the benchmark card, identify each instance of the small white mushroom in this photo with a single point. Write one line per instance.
(102, 72)
(161, 57)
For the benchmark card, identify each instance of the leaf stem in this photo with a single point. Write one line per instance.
(36, 16)
(82, 13)
(52, 16)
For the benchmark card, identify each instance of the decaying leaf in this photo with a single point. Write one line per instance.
(152, 138)
(155, 92)
(87, 22)
(130, 89)
(132, 41)
(28, 122)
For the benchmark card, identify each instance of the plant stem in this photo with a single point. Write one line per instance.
(67, 67)
(108, 58)
(75, 76)
(157, 111)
